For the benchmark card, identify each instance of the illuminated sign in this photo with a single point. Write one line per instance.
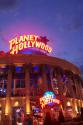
(49, 98)
(29, 41)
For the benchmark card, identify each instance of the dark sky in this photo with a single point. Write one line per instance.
(60, 20)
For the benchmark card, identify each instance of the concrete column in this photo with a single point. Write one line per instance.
(52, 79)
(14, 87)
(59, 85)
(76, 86)
(71, 88)
(27, 87)
(8, 100)
(74, 107)
(80, 90)
(45, 82)
(60, 88)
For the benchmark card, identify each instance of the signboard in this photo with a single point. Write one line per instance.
(29, 41)
(49, 98)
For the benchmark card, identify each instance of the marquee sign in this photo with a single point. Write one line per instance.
(29, 41)
(49, 98)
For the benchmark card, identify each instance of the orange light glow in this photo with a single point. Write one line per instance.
(68, 103)
(16, 104)
(27, 41)
(7, 109)
(0, 105)
(27, 105)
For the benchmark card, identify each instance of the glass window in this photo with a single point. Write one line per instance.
(22, 83)
(17, 83)
(19, 69)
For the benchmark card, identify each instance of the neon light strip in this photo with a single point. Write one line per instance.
(48, 99)
(27, 41)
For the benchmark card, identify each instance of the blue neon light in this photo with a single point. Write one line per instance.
(46, 94)
(36, 68)
(18, 69)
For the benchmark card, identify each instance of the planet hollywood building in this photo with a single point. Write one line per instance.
(28, 72)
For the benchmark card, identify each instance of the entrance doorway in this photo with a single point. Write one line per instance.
(17, 115)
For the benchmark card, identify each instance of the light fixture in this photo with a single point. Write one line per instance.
(68, 103)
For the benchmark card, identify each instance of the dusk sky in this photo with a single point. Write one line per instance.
(60, 20)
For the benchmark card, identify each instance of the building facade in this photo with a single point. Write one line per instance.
(25, 78)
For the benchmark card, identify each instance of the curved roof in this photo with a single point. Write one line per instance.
(38, 59)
